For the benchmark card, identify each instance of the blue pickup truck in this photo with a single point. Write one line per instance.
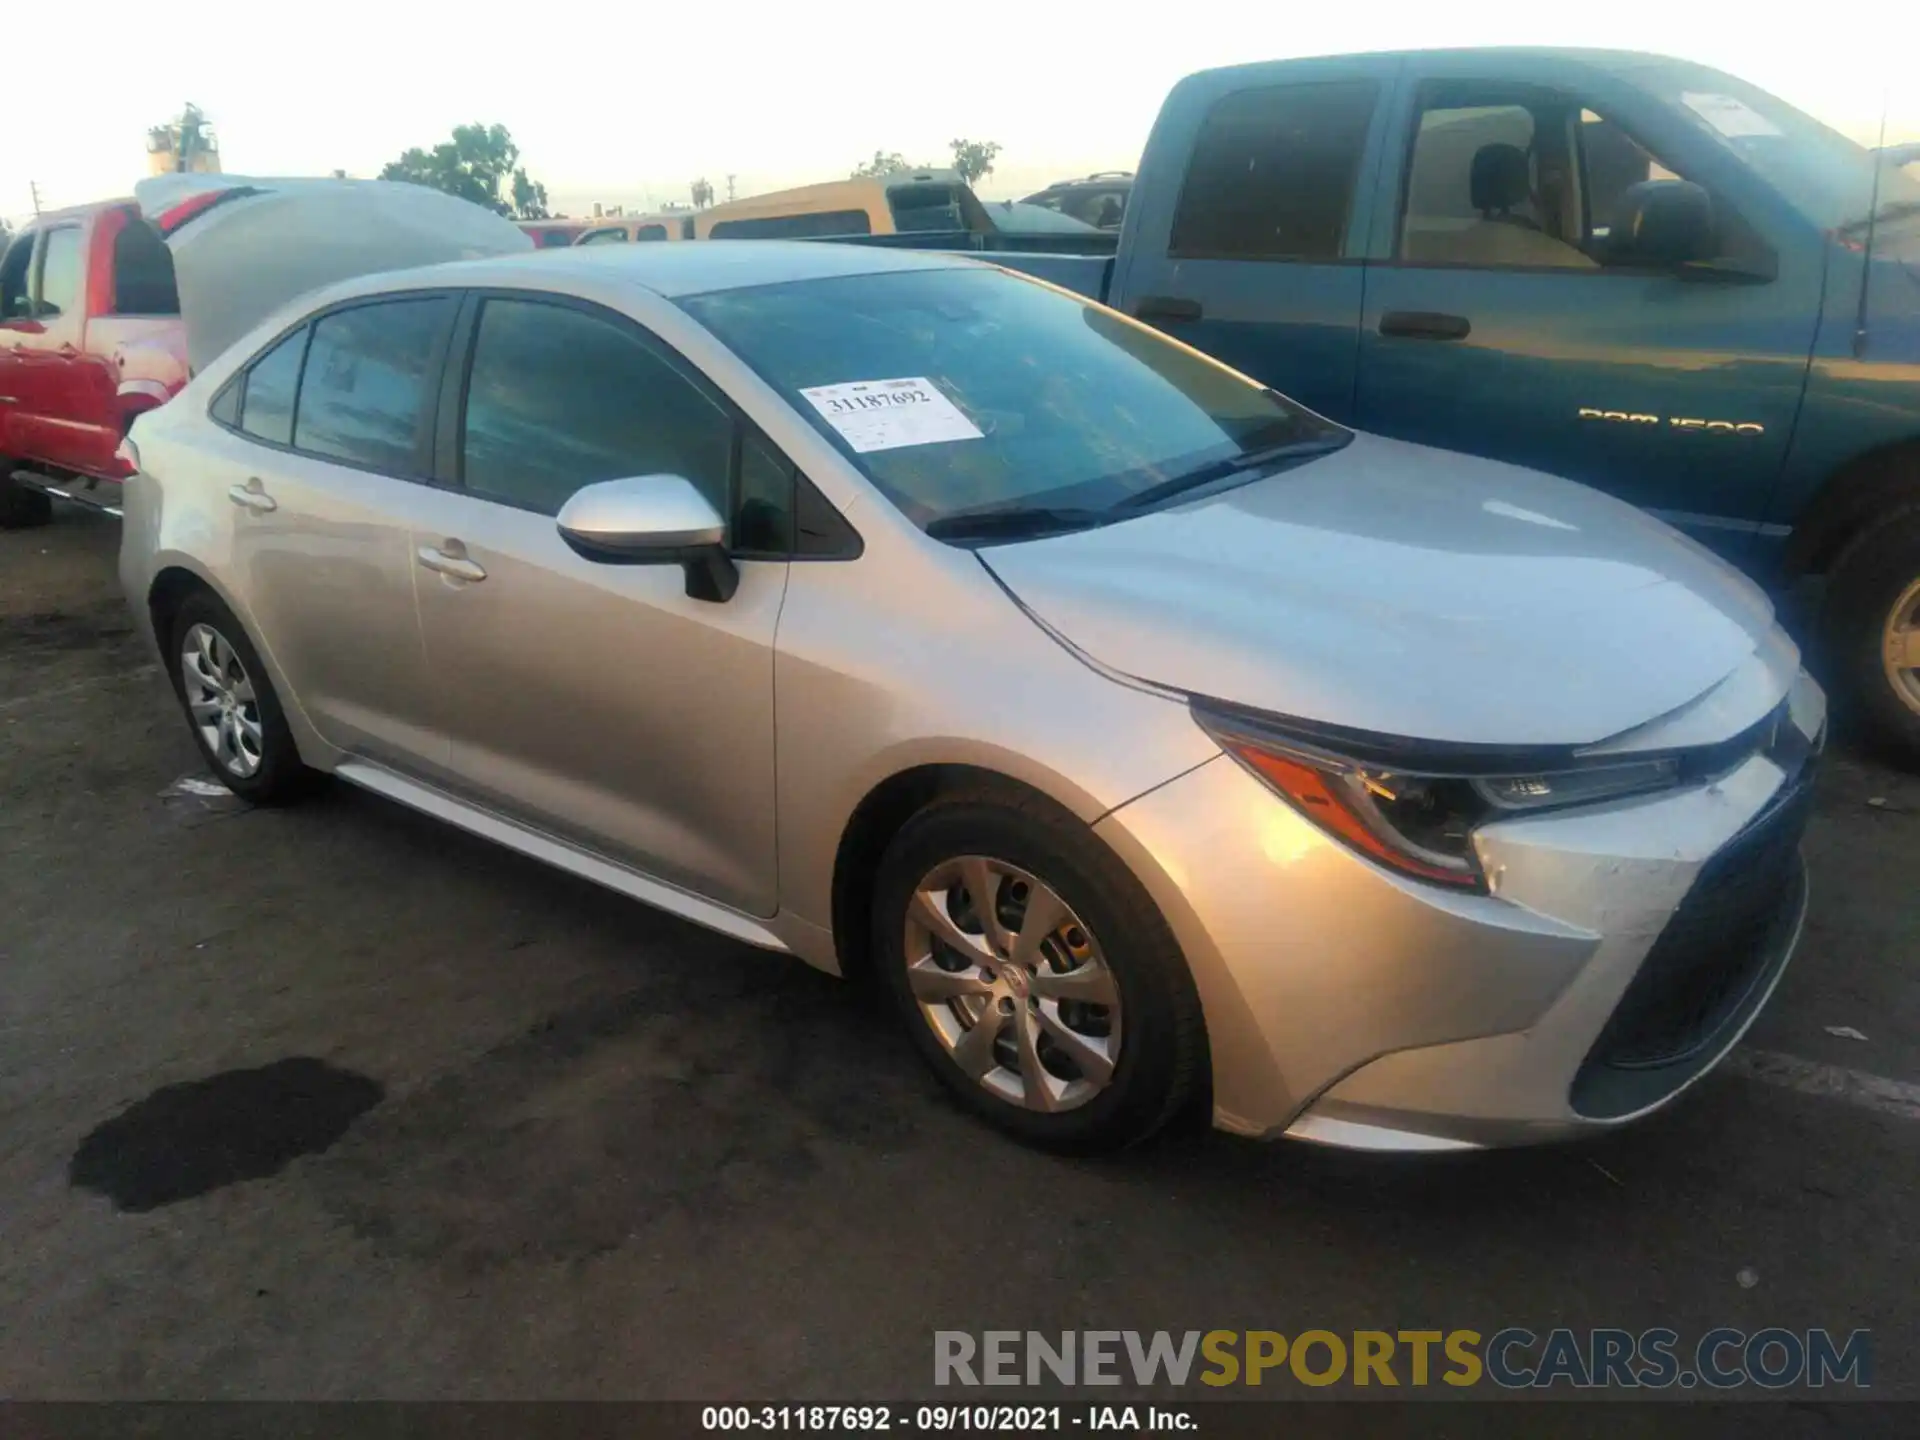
(1633, 271)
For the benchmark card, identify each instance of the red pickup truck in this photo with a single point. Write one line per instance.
(90, 336)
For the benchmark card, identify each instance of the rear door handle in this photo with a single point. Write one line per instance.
(252, 496)
(1425, 325)
(66, 352)
(453, 562)
(1166, 307)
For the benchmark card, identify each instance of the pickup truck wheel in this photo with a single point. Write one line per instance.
(1035, 975)
(1873, 630)
(21, 507)
(231, 707)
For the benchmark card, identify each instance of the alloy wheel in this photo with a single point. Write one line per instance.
(221, 701)
(1900, 646)
(1013, 984)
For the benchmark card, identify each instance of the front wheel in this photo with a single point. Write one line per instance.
(1036, 976)
(1874, 630)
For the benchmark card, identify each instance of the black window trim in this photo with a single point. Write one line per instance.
(431, 389)
(1525, 90)
(451, 417)
(1382, 94)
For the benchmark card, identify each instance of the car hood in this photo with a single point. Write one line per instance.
(243, 247)
(1406, 591)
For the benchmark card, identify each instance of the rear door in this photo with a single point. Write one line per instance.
(1501, 321)
(601, 702)
(47, 354)
(326, 460)
(1255, 255)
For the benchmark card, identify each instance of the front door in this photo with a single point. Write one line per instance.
(51, 421)
(1505, 321)
(1254, 258)
(599, 702)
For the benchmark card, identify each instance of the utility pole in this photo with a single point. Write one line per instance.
(33, 186)
(729, 189)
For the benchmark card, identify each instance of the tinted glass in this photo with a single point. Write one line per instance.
(1273, 173)
(267, 407)
(764, 524)
(366, 384)
(559, 399)
(14, 299)
(60, 273)
(1074, 405)
(226, 405)
(143, 272)
(650, 232)
(603, 237)
(794, 227)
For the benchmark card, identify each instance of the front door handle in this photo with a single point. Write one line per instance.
(252, 496)
(1166, 307)
(1425, 325)
(453, 561)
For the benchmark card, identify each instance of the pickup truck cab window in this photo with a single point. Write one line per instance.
(16, 282)
(59, 290)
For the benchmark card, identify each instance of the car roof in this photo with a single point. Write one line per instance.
(673, 271)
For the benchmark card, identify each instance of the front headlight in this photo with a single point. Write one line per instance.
(1419, 817)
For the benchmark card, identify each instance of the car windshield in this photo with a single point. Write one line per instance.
(968, 390)
(1822, 173)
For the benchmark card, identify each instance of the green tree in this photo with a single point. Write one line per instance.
(974, 158)
(702, 193)
(884, 162)
(480, 163)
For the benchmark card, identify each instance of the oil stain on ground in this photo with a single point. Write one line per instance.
(185, 1140)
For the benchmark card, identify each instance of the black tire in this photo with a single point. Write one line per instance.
(1871, 576)
(280, 777)
(1162, 1064)
(21, 506)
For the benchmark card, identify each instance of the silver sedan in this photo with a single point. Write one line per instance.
(1152, 741)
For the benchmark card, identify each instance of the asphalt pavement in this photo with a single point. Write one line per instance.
(337, 1102)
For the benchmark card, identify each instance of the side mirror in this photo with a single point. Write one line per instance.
(653, 520)
(1663, 224)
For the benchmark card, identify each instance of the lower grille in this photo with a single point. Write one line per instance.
(1732, 925)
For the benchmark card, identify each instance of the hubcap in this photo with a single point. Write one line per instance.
(221, 701)
(1900, 646)
(1013, 984)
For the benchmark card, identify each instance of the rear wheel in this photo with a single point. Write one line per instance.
(1873, 630)
(1035, 975)
(21, 506)
(231, 706)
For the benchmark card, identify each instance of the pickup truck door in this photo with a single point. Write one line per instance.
(16, 320)
(49, 359)
(1245, 239)
(1496, 321)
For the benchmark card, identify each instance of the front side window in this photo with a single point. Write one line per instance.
(1273, 173)
(266, 407)
(1022, 396)
(559, 398)
(363, 395)
(60, 277)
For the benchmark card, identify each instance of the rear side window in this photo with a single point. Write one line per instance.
(143, 272)
(794, 227)
(559, 398)
(651, 232)
(603, 237)
(266, 410)
(1273, 173)
(363, 396)
(60, 273)
(926, 207)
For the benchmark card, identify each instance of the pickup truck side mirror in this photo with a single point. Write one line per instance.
(1663, 224)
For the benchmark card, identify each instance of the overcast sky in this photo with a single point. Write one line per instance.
(629, 102)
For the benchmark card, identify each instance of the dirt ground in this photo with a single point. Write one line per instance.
(512, 1136)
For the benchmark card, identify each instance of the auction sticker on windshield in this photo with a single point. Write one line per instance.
(1732, 118)
(887, 414)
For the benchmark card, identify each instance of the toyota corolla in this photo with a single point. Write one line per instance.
(1152, 741)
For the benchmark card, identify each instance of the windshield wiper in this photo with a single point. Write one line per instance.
(1293, 452)
(1898, 210)
(1012, 522)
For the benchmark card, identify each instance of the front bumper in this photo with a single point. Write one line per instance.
(1623, 950)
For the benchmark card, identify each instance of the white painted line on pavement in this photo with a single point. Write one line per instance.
(74, 689)
(1856, 1087)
